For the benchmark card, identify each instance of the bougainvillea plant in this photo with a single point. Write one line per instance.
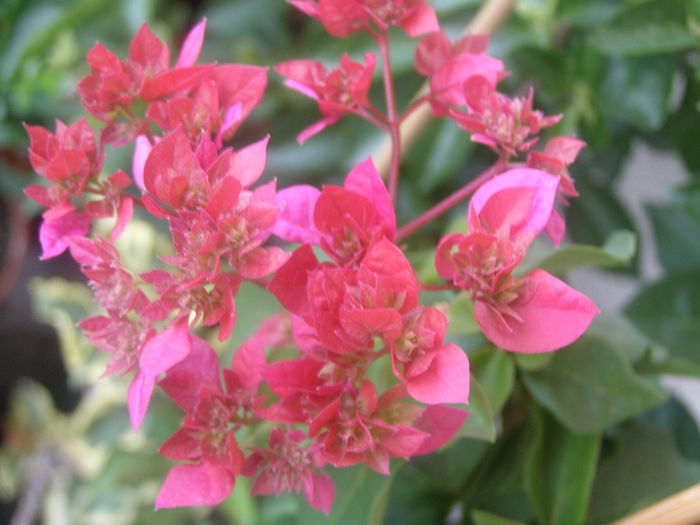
(352, 300)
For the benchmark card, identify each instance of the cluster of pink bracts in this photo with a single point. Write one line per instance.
(360, 304)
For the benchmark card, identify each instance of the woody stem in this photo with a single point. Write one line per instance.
(392, 116)
(449, 202)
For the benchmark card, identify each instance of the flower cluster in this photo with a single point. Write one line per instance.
(351, 297)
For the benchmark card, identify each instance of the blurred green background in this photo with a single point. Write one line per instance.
(626, 75)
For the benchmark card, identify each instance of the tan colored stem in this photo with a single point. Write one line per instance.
(487, 19)
(682, 508)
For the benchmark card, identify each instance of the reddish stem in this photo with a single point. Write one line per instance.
(392, 117)
(449, 202)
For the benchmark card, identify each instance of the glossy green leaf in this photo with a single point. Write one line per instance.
(591, 385)
(677, 237)
(643, 467)
(559, 471)
(646, 27)
(668, 311)
(618, 250)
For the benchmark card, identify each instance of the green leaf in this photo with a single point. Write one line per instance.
(480, 517)
(618, 250)
(636, 91)
(591, 385)
(646, 27)
(495, 372)
(559, 471)
(480, 422)
(533, 362)
(596, 213)
(425, 488)
(668, 311)
(359, 498)
(642, 468)
(461, 316)
(673, 416)
(677, 237)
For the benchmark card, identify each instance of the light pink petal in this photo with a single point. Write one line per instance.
(166, 349)
(419, 20)
(555, 228)
(139, 396)
(517, 203)
(319, 491)
(192, 45)
(188, 485)
(315, 128)
(141, 151)
(440, 423)
(301, 88)
(308, 7)
(295, 223)
(232, 118)
(445, 381)
(552, 315)
(199, 369)
(364, 179)
(564, 148)
(247, 164)
(55, 234)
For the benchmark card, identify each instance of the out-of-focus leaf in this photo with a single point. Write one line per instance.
(645, 27)
(31, 408)
(668, 311)
(461, 315)
(674, 416)
(533, 362)
(618, 250)
(559, 471)
(241, 507)
(644, 467)
(590, 385)
(496, 486)
(686, 117)
(446, 152)
(425, 487)
(595, 214)
(496, 374)
(480, 422)
(479, 517)
(677, 237)
(636, 91)
(359, 497)
(622, 333)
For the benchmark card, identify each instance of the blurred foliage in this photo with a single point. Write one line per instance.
(585, 435)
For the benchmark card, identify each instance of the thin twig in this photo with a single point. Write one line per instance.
(487, 20)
